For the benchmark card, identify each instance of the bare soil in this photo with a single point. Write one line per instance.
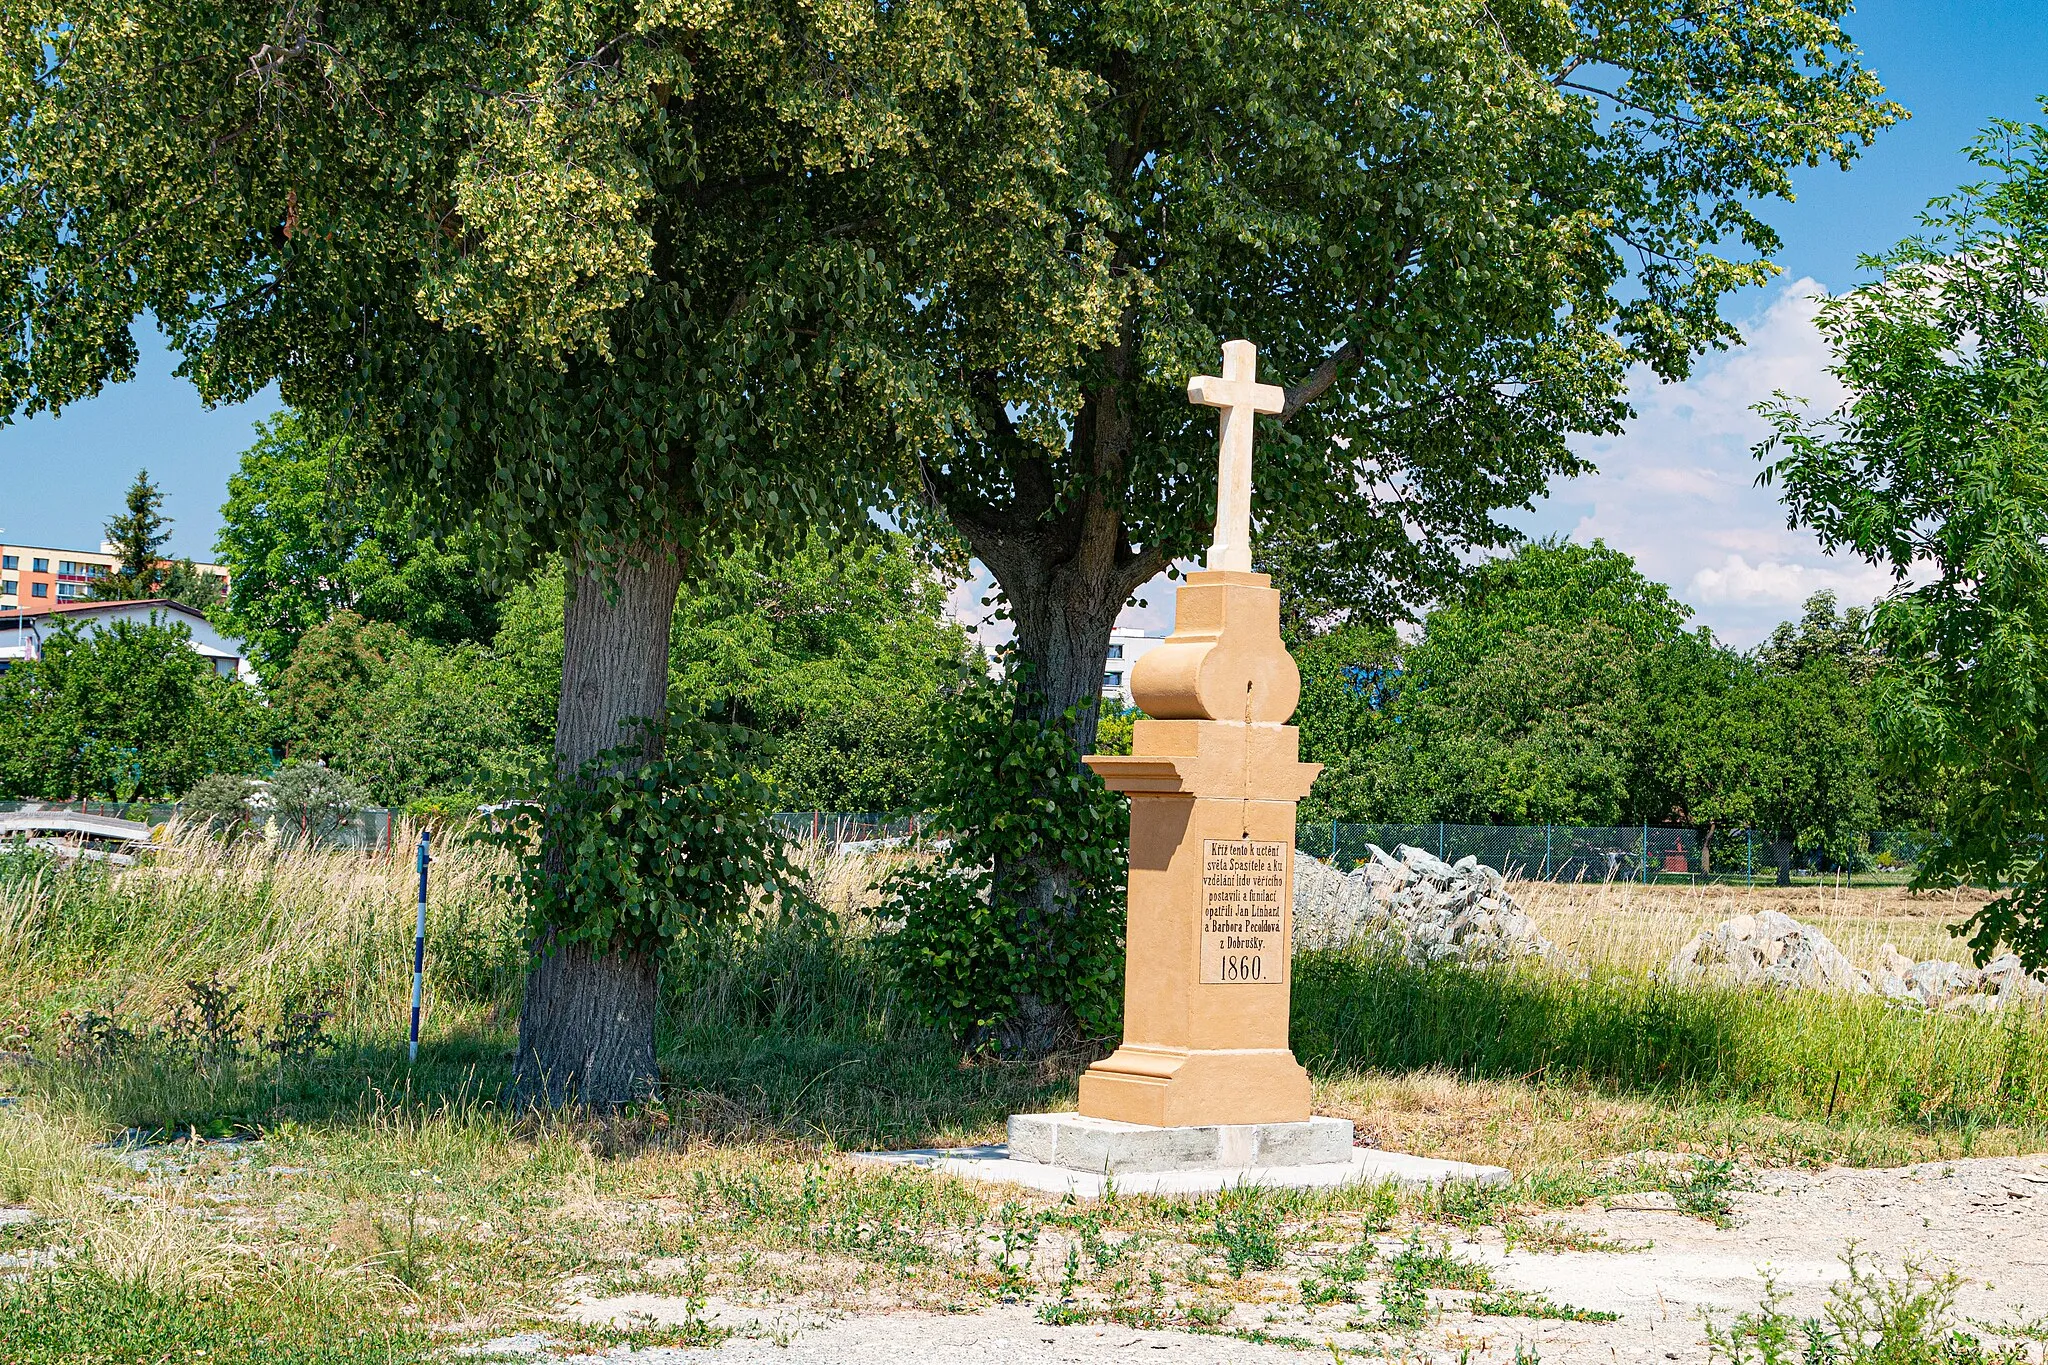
(1986, 1220)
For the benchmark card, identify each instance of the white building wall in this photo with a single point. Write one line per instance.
(1126, 647)
(226, 653)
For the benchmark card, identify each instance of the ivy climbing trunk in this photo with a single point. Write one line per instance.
(586, 1027)
(1065, 579)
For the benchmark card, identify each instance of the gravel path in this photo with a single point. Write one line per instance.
(1985, 1219)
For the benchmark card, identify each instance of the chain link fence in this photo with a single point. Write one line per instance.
(1605, 853)
(1572, 853)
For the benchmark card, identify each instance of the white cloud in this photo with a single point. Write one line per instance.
(1782, 587)
(1677, 489)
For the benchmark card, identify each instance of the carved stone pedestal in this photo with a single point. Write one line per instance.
(1213, 779)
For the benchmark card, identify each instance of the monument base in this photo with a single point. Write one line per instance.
(1192, 1148)
(1171, 1087)
(1106, 1146)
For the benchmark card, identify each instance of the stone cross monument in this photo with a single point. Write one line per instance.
(1204, 1077)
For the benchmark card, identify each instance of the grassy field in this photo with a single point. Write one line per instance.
(155, 1022)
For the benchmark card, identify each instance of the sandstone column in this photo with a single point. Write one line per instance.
(1213, 777)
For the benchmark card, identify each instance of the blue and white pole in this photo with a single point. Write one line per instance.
(419, 951)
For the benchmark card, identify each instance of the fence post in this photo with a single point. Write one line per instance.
(1749, 854)
(1644, 853)
(1546, 850)
(1439, 838)
(419, 952)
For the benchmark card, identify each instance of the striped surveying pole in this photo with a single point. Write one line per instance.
(419, 952)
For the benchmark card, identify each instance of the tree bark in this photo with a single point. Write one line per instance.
(586, 1027)
(1781, 853)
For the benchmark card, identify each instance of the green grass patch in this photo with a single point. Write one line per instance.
(78, 1314)
(1514, 1303)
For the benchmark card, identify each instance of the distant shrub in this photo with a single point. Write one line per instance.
(309, 799)
(219, 803)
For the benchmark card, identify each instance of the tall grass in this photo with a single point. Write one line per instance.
(1799, 1054)
(786, 1029)
(269, 921)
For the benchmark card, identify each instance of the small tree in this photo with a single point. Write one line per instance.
(1936, 468)
(138, 537)
(308, 800)
(1012, 939)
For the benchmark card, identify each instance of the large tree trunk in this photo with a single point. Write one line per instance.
(1065, 584)
(1066, 567)
(1781, 853)
(586, 1029)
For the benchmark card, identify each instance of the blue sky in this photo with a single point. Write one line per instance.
(1675, 490)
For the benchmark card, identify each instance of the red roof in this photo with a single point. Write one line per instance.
(74, 608)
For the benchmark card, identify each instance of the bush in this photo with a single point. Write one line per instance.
(645, 855)
(219, 803)
(974, 955)
(309, 798)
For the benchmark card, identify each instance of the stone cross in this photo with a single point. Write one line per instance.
(1238, 395)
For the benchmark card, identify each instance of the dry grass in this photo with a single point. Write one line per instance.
(1531, 1128)
(266, 919)
(1629, 925)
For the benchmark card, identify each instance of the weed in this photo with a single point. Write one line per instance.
(1438, 1269)
(1514, 1303)
(1703, 1190)
(1554, 1236)
(1018, 1237)
(1404, 1302)
(1871, 1319)
(641, 1333)
(208, 1026)
(1337, 1280)
(301, 1030)
(91, 1037)
(1247, 1228)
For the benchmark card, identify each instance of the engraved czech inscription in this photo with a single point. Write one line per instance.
(1244, 908)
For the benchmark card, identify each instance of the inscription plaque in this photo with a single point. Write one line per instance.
(1244, 912)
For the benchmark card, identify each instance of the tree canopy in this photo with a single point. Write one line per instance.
(622, 280)
(305, 534)
(1561, 686)
(1450, 227)
(123, 710)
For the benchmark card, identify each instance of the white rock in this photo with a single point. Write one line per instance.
(1773, 949)
(1770, 949)
(1417, 904)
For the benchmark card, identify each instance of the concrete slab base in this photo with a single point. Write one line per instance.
(1109, 1146)
(1363, 1167)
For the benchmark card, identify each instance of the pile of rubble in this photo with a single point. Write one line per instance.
(1416, 903)
(1773, 949)
(1430, 911)
(1770, 949)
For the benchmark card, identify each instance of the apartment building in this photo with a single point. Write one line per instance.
(1126, 647)
(38, 577)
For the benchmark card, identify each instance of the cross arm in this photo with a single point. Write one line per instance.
(1210, 391)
